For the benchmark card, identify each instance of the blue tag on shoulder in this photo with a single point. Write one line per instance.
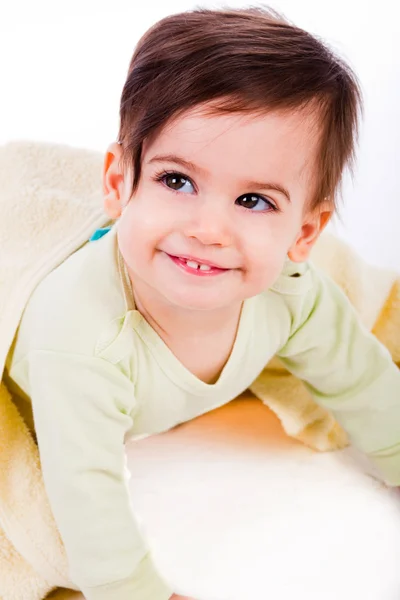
(99, 233)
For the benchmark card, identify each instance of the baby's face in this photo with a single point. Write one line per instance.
(225, 192)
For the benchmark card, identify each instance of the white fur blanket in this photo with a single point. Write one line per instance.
(221, 524)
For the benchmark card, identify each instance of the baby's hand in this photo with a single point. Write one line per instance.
(176, 597)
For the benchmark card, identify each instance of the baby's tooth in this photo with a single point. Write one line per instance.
(205, 268)
(192, 264)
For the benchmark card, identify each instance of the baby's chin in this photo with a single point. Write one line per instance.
(204, 301)
(200, 301)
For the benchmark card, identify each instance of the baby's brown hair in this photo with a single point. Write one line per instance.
(241, 60)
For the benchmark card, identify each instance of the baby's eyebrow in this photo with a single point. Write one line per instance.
(187, 164)
(268, 186)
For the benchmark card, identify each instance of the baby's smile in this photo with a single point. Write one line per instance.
(195, 266)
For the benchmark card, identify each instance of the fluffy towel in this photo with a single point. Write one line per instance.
(50, 203)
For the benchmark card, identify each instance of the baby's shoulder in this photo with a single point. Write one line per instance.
(305, 294)
(70, 308)
(292, 296)
(296, 283)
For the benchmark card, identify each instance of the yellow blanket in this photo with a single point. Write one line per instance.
(50, 204)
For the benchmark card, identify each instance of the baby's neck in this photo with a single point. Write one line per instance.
(176, 322)
(201, 340)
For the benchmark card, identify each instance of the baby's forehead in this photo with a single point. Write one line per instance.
(282, 143)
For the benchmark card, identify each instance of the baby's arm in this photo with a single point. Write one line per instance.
(83, 408)
(347, 371)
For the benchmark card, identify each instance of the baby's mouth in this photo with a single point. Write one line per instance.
(196, 266)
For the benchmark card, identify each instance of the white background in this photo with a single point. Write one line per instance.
(63, 66)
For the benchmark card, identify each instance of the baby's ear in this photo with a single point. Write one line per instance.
(113, 181)
(313, 225)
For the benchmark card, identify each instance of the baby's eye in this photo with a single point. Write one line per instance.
(177, 182)
(255, 203)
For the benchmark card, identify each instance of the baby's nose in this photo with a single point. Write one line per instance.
(210, 226)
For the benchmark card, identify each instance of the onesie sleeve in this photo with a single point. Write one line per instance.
(346, 370)
(83, 408)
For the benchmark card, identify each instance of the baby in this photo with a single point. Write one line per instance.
(235, 130)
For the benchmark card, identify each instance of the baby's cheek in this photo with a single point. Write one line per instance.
(262, 274)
